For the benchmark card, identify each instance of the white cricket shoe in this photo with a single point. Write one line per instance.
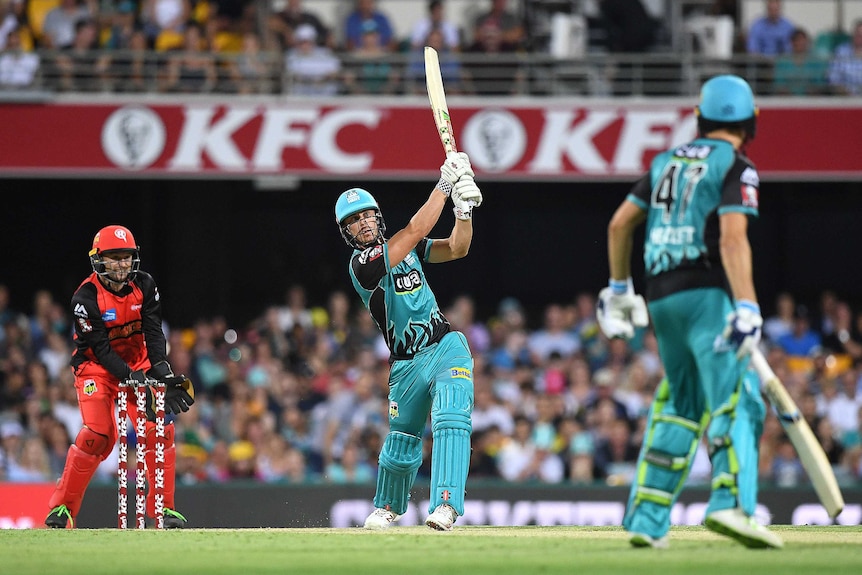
(381, 518)
(442, 518)
(736, 524)
(644, 540)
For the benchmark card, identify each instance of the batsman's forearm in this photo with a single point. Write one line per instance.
(620, 233)
(461, 238)
(737, 261)
(424, 220)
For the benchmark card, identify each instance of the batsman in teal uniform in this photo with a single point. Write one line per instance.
(696, 201)
(431, 365)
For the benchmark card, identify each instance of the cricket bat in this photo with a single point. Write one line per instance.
(437, 96)
(810, 452)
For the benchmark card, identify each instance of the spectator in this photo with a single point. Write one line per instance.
(363, 18)
(59, 28)
(371, 70)
(786, 469)
(502, 24)
(312, 70)
(616, 454)
(435, 21)
(123, 26)
(164, 22)
(845, 71)
(844, 337)
(283, 24)
(522, 458)
(800, 73)
(349, 467)
(781, 322)
(133, 69)
(553, 337)
(462, 317)
(488, 412)
(295, 310)
(249, 70)
(18, 68)
(191, 70)
(486, 446)
(82, 68)
(32, 464)
(492, 65)
(802, 341)
(454, 75)
(770, 35)
(16, 17)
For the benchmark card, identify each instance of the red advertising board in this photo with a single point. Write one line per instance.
(24, 505)
(540, 140)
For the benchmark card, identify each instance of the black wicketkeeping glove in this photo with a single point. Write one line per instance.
(179, 394)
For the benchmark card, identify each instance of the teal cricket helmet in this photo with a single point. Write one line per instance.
(351, 202)
(726, 101)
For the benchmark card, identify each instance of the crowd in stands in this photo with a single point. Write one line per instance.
(245, 46)
(300, 393)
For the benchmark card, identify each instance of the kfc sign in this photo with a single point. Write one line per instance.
(550, 139)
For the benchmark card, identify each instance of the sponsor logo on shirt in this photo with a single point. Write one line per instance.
(85, 325)
(89, 387)
(393, 410)
(408, 283)
(109, 315)
(136, 307)
(461, 373)
(749, 196)
(371, 254)
(80, 310)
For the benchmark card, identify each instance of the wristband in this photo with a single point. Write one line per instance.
(748, 305)
(444, 186)
(619, 287)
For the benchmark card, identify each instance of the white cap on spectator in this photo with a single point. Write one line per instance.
(11, 428)
(305, 32)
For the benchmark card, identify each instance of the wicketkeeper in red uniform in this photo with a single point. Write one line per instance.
(118, 337)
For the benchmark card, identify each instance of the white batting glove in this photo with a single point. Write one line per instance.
(620, 310)
(465, 197)
(466, 190)
(743, 330)
(456, 166)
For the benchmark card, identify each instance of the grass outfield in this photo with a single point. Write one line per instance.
(418, 550)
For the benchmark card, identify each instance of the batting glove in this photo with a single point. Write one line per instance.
(743, 330)
(456, 166)
(465, 197)
(620, 310)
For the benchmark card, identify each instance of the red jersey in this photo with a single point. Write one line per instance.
(117, 332)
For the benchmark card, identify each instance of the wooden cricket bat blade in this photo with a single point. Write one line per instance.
(437, 97)
(810, 452)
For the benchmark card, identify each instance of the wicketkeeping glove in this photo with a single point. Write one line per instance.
(743, 330)
(179, 391)
(620, 310)
(456, 166)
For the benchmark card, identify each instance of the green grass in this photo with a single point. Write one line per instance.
(417, 550)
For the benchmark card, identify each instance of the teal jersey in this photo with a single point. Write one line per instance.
(399, 299)
(686, 190)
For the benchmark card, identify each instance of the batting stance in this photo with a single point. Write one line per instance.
(696, 201)
(431, 365)
(118, 336)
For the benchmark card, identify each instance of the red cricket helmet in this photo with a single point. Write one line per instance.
(114, 239)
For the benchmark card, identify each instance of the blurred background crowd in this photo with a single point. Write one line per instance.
(300, 393)
(488, 47)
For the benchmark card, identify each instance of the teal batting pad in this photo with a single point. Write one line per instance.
(736, 461)
(451, 426)
(400, 459)
(673, 432)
